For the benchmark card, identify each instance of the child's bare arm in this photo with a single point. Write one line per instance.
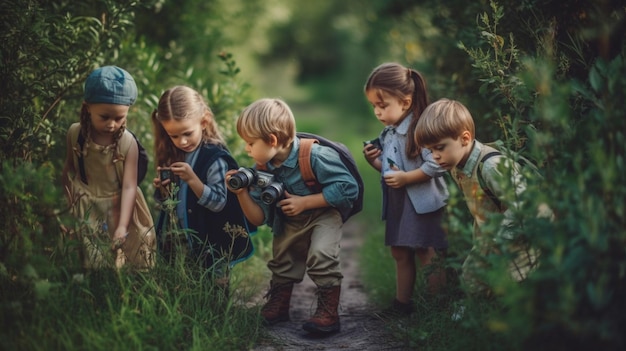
(252, 211)
(129, 192)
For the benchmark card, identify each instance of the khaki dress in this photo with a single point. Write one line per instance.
(97, 206)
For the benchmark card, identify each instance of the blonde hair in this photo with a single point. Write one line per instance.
(266, 117)
(179, 103)
(442, 119)
(401, 82)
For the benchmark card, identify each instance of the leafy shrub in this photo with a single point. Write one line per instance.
(551, 84)
(573, 126)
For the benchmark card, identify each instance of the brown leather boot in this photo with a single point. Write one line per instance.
(326, 317)
(276, 309)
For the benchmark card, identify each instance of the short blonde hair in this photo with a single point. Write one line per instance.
(442, 119)
(266, 117)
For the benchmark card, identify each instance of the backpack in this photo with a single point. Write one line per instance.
(501, 149)
(142, 159)
(304, 160)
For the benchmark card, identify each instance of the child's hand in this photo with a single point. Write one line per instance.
(227, 176)
(183, 171)
(158, 182)
(292, 205)
(395, 178)
(119, 238)
(371, 153)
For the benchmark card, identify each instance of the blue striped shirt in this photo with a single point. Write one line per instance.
(214, 194)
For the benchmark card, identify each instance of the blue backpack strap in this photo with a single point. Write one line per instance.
(482, 182)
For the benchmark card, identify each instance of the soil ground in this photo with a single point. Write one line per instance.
(360, 328)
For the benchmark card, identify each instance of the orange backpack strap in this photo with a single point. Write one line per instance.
(304, 160)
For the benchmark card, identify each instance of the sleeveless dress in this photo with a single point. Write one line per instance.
(97, 207)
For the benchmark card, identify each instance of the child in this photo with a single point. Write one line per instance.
(414, 194)
(306, 226)
(447, 128)
(192, 160)
(109, 197)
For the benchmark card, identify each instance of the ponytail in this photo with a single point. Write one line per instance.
(419, 103)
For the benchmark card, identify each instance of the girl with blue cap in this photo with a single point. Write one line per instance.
(100, 176)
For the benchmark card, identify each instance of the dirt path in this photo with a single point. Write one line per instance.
(360, 329)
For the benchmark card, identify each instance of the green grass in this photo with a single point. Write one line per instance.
(173, 307)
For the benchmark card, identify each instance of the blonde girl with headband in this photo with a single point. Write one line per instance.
(100, 175)
(414, 194)
(192, 160)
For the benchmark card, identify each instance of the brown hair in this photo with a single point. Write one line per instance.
(179, 103)
(442, 119)
(401, 82)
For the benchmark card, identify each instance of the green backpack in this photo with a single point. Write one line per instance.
(502, 150)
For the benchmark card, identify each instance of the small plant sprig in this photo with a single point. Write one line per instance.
(498, 64)
(173, 240)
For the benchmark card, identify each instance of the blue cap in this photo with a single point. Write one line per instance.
(110, 85)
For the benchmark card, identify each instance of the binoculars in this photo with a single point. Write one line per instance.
(245, 177)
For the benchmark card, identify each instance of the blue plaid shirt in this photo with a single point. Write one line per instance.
(214, 193)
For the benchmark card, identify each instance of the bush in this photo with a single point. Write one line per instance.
(551, 85)
(572, 125)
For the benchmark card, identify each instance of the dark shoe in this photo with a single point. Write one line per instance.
(326, 317)
(397, 310)
(277, 307)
